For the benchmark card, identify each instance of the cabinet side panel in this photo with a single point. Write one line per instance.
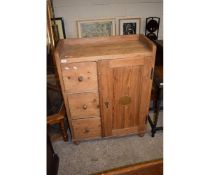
(58, 66)
(146, 93)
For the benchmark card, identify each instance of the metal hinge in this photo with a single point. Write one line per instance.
(146, 119)
(152, 73)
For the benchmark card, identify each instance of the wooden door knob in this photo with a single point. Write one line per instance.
(85, 107)
(80, 78)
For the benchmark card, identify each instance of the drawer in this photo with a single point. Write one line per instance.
(83, 105)
(87, 128)
(80, 77)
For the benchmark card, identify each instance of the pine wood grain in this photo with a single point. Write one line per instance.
(146, 93)
(108, 68)
(105, 86)
(87, 128)
(127, 83)
(57, 61)
(83, 105)
(117, 79)
(79, 76)
(94, 49)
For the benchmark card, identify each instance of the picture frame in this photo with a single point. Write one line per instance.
(58, 28)
(129, 26)
(96, 28)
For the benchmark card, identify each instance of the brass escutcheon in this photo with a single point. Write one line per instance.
(125, 100)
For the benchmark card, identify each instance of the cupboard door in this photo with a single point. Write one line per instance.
(125, 88)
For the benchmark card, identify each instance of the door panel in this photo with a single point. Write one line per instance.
(127, 86)
(123, 86)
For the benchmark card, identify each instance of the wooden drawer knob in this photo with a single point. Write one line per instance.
(80, 78)
(87, 130)
(84, 107)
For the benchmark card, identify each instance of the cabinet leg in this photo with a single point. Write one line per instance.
(76, 142)
(153, 132)
(156, 106)
(65, 136)
(141, 134)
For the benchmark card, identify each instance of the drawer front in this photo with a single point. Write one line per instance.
(87, 128)
(80, 77)
(83, 105)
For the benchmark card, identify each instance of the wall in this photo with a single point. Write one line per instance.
(73, 10)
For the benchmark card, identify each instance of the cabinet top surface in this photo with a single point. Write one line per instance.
(92, 49)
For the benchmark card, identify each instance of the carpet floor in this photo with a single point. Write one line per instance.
(94, 156)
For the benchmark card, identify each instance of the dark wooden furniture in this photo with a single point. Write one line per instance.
(157, 90)
(159, 53)
(154, 167)
(157, 96)
(106, 84)
(58, 118)
(59, 112)
(52, 159)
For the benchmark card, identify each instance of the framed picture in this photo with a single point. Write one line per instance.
(96, 28)
(129, 26)
(58, 28)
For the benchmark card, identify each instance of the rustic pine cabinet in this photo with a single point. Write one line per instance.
(106, 84)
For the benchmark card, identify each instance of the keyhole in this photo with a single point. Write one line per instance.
(107, 104)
